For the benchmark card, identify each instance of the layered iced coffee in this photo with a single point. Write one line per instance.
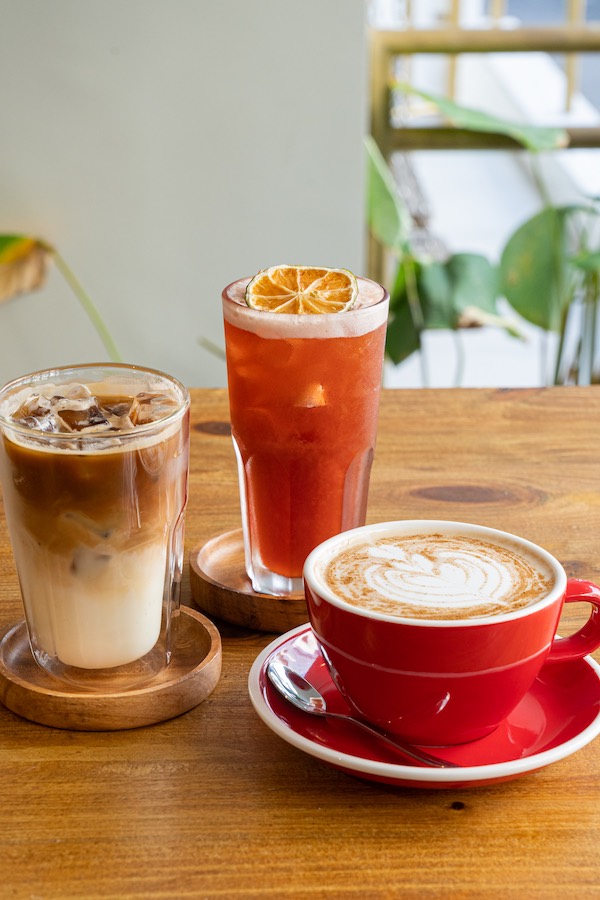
(94, 468)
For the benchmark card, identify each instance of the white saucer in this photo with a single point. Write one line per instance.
(559, 715)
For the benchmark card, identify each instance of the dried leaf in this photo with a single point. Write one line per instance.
(24, 263)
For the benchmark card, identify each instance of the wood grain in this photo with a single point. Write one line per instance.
(213, 805)
(192, 675)
(221, 587)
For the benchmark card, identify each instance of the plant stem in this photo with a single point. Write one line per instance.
(544, 358)
(213, 348)
(412, 294)
(88, 306)
(559, 374)
(460, 359)
(594, 324)
(588, 332)
(536, 171)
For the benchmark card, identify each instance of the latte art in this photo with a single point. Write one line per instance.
(438, 576)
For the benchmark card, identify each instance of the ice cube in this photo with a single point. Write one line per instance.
(35, 405)
(312, 396)
(84, 527)
(80, 414)
(148, 407)
(48, 423)
(90, 563)
(62, 414)
(76, 392)
(36, 412)
(118, 408)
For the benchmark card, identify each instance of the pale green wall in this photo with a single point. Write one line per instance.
(168, 147)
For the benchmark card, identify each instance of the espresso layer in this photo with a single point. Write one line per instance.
(438, 576)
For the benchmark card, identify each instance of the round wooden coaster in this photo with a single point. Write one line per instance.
(221, 588)
(192, 674)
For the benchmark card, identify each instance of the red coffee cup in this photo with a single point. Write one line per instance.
(442, 682)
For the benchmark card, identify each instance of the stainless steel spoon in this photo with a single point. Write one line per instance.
(301, 693)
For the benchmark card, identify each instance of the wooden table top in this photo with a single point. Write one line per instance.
(213, 804)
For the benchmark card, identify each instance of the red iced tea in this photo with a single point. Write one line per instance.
(304, 393)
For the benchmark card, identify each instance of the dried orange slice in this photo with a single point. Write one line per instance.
(302, 289)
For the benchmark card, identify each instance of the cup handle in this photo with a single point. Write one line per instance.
(587, 639)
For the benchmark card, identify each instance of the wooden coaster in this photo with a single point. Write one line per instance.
(221, 588)
(192, 674)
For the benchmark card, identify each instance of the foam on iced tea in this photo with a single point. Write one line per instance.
(96, 480)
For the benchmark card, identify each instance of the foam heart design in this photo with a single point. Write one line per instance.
(461, 578)
(434, 575)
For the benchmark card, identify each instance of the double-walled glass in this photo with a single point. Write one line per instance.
(96, 517)
(304, 396)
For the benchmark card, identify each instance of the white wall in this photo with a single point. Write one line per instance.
(167, 147)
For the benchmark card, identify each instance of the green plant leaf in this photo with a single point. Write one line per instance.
(387, 216)
(474, 282)
(421, 299)
(587, 261)
(403, 335)
(402, 339)
(6, 242)
(532, 268)
(435, 291)
(399, 288)
(534, 138)
(459, 293)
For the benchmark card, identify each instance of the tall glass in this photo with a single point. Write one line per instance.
(304, 397)
(94, 465)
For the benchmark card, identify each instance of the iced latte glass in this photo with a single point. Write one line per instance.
(304, 393)
(94, 466)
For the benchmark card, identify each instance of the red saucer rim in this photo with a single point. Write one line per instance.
(398, 773)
